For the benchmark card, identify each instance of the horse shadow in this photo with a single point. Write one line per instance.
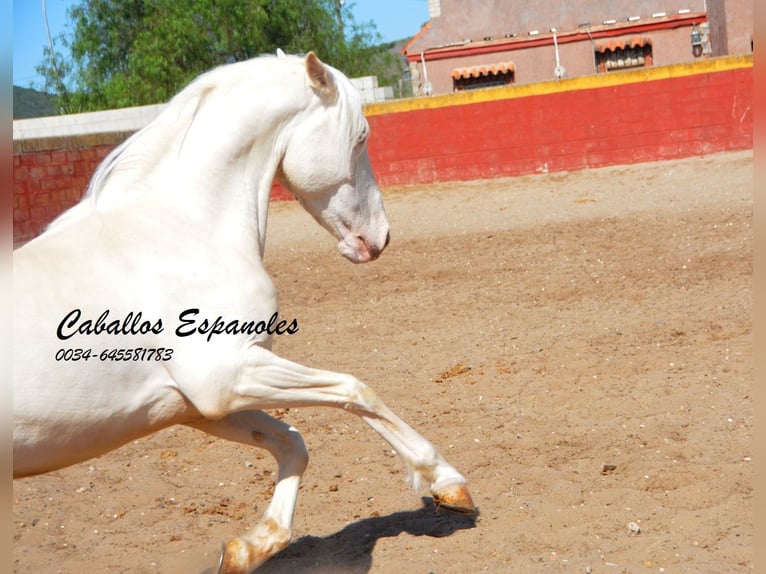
(350, 550)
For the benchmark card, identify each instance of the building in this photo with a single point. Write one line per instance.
(469, 44)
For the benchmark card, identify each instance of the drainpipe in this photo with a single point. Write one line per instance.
(558, 72)
(426, 85)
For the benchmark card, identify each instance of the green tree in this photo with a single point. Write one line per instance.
(137, 52)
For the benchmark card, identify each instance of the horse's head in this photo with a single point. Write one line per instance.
(326, 166)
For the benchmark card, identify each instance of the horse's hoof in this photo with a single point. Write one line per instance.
(237, 557)
(241, 556)
(456, 498)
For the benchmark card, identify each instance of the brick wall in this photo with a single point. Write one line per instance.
(620, 118)
(46, 183)
(638, 116)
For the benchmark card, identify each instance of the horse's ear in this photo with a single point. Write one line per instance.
(319, 76)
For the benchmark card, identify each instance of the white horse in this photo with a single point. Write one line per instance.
(147, 304)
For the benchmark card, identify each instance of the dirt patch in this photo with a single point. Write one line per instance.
(578, 345)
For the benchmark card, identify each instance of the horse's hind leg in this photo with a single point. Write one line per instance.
(273, 532)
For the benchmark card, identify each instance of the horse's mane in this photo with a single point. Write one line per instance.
(138, 154)
(139, 151)
(140, 148)
(179, 113)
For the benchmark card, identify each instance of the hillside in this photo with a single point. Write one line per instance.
(29, 103)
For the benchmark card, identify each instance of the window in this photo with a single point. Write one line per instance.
(622, 54)
(485, 76)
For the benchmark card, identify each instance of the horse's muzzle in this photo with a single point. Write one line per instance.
(359, 249)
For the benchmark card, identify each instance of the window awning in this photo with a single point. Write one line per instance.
(483, 70)
(620, 44)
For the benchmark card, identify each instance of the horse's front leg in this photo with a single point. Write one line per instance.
(273, 532)
(268, 381)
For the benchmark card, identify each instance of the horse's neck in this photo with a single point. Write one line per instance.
(214, 174)
(229, 197)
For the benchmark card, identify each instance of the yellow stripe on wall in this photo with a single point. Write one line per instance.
(648, 74)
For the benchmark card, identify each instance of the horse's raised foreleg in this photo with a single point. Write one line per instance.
(268, 381)
(273, 532)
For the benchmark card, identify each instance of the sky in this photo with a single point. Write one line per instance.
(394, 19)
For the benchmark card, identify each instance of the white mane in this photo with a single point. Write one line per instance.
(141, 151)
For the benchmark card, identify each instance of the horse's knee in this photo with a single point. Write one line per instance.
(361, 399)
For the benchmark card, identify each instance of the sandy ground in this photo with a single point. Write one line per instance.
(578, 345)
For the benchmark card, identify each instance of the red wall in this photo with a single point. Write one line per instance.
(45, 183)
(508, 135)
(622, 124)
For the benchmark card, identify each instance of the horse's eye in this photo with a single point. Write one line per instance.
(360, 141)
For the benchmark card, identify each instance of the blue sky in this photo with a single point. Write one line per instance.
(394, 19)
